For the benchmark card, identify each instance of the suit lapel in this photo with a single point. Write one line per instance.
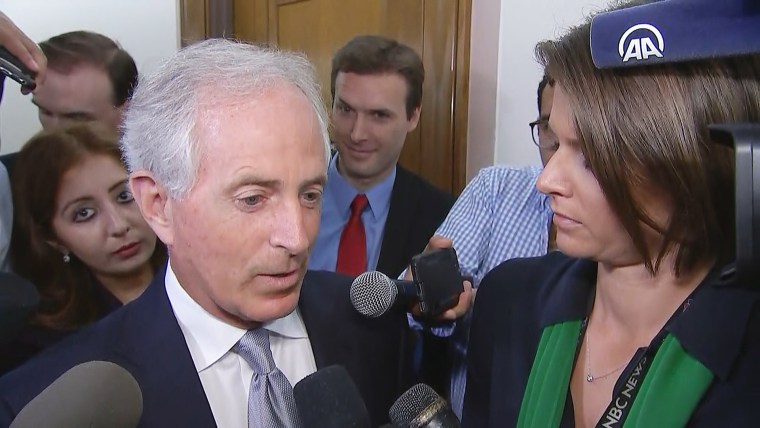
(153, 345)
(404, 199)
(320, 303)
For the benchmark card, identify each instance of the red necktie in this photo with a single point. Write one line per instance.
(352, 251)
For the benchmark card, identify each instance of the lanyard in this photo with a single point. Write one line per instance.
(622, 399)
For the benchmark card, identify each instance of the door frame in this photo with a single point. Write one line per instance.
(201, 19)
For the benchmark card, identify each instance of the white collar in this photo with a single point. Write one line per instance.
(210, 338)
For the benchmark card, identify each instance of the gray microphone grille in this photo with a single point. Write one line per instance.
(413, 403)
(373, 293)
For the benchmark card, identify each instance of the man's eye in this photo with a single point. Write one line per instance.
(312, 197)
(251, 200)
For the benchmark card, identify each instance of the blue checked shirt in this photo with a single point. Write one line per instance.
(499, 216)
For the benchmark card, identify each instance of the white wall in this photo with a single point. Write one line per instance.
(147, 29)
(500, 134)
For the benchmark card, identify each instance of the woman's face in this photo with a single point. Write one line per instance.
(586, 225)
(97, 220)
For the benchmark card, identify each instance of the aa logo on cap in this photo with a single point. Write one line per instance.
(641, 48)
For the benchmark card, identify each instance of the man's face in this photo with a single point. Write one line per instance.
(370, 123)
(85, 94)
(239, 242)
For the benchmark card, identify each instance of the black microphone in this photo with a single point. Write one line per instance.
(18, 301)
(421, 407)
(329, 398)
(374, 293)
(93, 394)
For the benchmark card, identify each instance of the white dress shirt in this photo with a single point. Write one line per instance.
(225, 376)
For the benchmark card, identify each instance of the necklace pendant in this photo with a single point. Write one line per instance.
(589, 378)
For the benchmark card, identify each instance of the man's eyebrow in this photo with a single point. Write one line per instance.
(79, 115)
(343, 102)
(321, 181)
(253, 180)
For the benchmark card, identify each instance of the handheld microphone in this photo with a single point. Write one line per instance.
(18, 301)
(329, 398)
(96, 394)
(422, 407)
(374, 293)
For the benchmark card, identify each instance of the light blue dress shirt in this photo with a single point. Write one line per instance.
(336, 210)
(500, 215)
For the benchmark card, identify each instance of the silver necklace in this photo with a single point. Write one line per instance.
(589, 377)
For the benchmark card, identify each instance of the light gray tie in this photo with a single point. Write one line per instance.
(270, 399)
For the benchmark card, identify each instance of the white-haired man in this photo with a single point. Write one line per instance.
(227, 146)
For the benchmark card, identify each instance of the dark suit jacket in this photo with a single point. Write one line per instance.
(518, 298)
(145, 338)
(9, 161)
(416, 210)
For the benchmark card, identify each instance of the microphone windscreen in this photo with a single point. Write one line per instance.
(328, 398)
(373, 293)
(674, 31)
(96, 394)
(18, 301)
(420, 406)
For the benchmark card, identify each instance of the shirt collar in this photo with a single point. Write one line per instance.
(211, 338)
(343, 193)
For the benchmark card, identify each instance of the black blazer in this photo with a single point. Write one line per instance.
(9, 161)
(416, 210)
(145, 338)
(518, 298)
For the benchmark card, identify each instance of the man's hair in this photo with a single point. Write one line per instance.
(68, 297)
(377, 55)
(643, 130)
(159, 128)
(74, 49)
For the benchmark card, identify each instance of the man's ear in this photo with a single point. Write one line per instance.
(414, 120)
(155, 204)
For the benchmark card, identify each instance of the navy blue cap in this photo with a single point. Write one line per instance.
(675, 30)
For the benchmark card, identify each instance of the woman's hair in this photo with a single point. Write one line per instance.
(644, 131)
(67, 290)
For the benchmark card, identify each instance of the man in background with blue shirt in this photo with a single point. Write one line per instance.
(500, 215)
(376, 215)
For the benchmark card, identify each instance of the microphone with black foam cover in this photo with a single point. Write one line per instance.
(18, 301)
(328, 398)
(374, 293)
(95, 394)
(422, 407)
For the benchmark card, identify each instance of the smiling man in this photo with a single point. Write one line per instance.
(376, 214)
(227, 146)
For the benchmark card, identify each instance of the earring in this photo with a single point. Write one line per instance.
(66, 258)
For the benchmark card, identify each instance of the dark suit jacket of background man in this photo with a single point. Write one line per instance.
(145, 338)
(416, 210)
(9, 160)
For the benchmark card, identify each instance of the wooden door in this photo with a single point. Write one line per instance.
(437, 29)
